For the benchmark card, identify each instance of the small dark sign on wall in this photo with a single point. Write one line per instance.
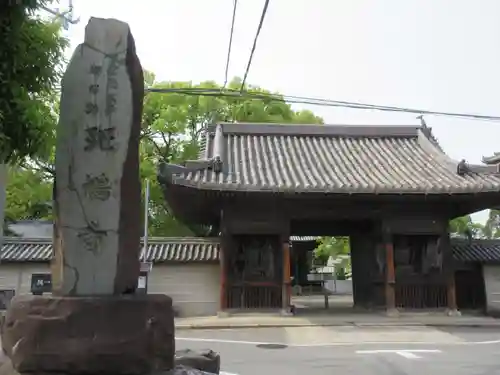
(142, 283)
(41, 283)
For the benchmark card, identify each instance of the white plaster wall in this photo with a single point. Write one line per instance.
(194, 288)
(32, 229)
(492, 285)
(339, 286)
(17, 276)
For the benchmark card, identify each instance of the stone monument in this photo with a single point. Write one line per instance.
(94, 322)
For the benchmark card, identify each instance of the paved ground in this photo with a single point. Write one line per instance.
(334, 318)
(354, 350)
(311, 312)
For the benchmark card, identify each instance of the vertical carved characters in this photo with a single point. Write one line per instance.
(96, 136)
(97, 187)
(91, 109)
(103, 139)
(112, 86)
(91, 238)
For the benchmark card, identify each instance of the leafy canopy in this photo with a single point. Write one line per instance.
(30, 70)
(172, 129)
(331, 246)
(173, 125)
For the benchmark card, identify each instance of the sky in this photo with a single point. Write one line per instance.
(425, 54)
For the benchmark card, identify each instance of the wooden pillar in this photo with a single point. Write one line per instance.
(449, 271)
(286, 289)
(451, 293)
(223, 275)
(390, 278)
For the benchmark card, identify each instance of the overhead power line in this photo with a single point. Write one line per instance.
(235, 4)
(66, 17)
(259, 28)
(228, 93)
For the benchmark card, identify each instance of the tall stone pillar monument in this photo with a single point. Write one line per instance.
(94, 322)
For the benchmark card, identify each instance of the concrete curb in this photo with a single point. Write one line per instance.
(342, 324)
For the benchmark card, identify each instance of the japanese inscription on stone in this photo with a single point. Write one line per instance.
(99, 138)
(97, 165)
(115, 63)
(97, 187)
(92, 237)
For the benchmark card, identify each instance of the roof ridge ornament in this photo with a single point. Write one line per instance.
(463, 168)
(492, 160)
(427, 132)
(214, 163)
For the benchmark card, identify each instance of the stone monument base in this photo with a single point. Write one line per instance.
(130, 334)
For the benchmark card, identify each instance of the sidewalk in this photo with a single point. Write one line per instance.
(362, 320)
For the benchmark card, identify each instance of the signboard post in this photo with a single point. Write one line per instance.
(142, 282)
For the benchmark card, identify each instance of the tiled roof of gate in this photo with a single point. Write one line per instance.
(171, 249)
(482, 251)
(304, 238)
(189, 249)
(327, 159)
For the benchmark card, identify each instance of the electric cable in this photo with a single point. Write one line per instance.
(235, 4)
(195, 91)
(259, 28)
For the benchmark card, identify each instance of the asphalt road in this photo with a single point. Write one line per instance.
(371, 351)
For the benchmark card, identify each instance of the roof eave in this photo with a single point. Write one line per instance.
(181, 181)
(197, 211)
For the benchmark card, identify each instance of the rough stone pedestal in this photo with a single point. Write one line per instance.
(90, 335)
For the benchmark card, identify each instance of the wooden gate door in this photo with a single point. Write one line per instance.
(255, 273)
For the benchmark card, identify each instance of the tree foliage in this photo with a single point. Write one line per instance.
(29, 195)
(491, 228)
(331, 246)
(173, 125)
(464, 227)
(30, 65)
(172, 129)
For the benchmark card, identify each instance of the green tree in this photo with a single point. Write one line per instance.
(463, 226)
(172, 129)
(331, 246)
(173, 124)
(31, 58)
(30, 68)
(491, 228)
(29, 195)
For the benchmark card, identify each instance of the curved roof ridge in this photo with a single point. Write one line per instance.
(492, 159)
(45, 240)
(331, 130)
(427, 131)
(429, 143)
(11, 239)
(190, 239)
